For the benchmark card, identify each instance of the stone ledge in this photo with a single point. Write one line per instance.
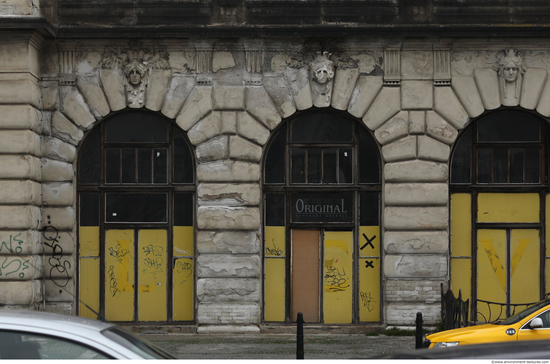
(227, 329)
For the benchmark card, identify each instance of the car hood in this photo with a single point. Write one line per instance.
(464, 333)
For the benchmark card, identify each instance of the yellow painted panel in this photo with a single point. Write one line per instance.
(337, 278)
(152, 265)
(491, 269)
(183, 289)
(183, 241)
(275, 241)
(119, 275)
(461, 225)
(461, 275)
(89, 286)
(274, 289)
(508, 207)
(547, 275)
(369, 289)
(524, 265)
(89, 241)
(547, 231)
(369, 241)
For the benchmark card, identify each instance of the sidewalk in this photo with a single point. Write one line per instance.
(279, 346)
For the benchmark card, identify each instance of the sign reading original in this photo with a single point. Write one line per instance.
(322, 207)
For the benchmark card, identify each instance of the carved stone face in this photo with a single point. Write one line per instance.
(324, 73)
(510, 72)
(134, 77)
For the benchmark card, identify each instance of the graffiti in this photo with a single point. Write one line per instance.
(273, 251)
(154, 250)
(367, 301)
(369, 264)
(112, 281)
(57, 262)
(155, 263)
(182, 251)
(9, 246)
(335, 280)
(369, 241)
(13, 266)
(184, 267)
(119, 253)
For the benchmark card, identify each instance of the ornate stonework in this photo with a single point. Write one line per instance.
(510, 67)
(135, 61)
(322, 75)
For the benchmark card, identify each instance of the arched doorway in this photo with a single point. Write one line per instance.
(321, 215)
(136, 210)
(499, 189)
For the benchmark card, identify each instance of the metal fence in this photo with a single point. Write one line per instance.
(454, 310)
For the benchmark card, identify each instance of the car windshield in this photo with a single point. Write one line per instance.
(141, 347)
(521, 315)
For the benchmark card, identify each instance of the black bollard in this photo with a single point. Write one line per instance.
(300, 337)
(418, 330)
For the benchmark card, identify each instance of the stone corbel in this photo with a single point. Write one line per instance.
(67, 74)
(203, 63)
(392, 66)
(442, 66)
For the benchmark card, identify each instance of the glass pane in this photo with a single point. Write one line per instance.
(128, 166)
(461, 165)
(532, 165)
(484, 165)
(183, 163)
(509, 126)
(160, 165)
(322, 207)
(89, 209)
(516, 165)
(321, 128)
(329, 166)
(297, 157)
(500, 164)
(112, 165)
(275, 160)
(369, 206)
(145, 166)
(88, 168)
(136, 207)
(137, 127)
(183, 209)
(275, 209)
(346, 167)
(314, 166)
(369, 161)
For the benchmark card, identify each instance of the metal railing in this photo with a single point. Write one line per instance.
(454, 310)
(497, 311)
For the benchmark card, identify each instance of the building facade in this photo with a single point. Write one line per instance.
(223, 165)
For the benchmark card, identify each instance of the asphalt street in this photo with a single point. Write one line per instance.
(279, 346)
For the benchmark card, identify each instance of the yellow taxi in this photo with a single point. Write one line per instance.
(533, 323)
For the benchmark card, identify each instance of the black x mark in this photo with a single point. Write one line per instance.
(369, 241)
(369, 264)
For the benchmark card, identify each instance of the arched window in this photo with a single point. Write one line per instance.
(499, 186)
(321, 239)
(136, 200)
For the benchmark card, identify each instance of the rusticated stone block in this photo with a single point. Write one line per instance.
(228, 242)
(56, 171)
(242, 149)
(431, 149)
(21, 88)
(260, 106)
(229, 122)
(250, 128)
(228, 266)
(57, 242)
(20, 242)
(229, 313)
(416, 171)
(228, 171)
(21, 267)
(416, 194)
(213, 149)
(416, 242)
(113, 85)
(400, 150)
(279, 91)
(415, 266)
(20, 192)
(543, 106)
(19, 142)
(54, 148)
(61, 218)
(20, 217)
(449, 107)
(225, 194)
(90, 88)
(231, 218)
(58, 194)
(298, 80)
(159, 79)
(20, 117)
(205, 129)
(65, 130)
(228, 97)
(197, 105)
(405, 313)
(487, 84)
(386, 105)
(59, 268)
(64, 308)
(344, 83)
(178, 91)
(417, 122)
(76, 108)
(395, 128)
(416, 218)
(228, 290)
(366, 89)
(533, 85)
(222, 60)
(466, 90)
(20, 167)
(22, 293)
(416, 95)
(439, 129)
(59, 290)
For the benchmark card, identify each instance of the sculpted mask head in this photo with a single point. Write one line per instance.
(323, 68)
(135, 70)
(511, 66)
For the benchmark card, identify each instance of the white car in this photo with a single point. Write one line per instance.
(43, 335)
